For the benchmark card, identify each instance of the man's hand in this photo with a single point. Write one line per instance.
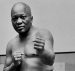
(39, 45)
(17, 58)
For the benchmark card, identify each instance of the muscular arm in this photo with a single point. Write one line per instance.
(9, 65)
(48, 56)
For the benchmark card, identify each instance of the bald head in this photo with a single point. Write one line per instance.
(21, 7)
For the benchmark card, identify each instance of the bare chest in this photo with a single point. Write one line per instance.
(26, 47)
(27, 50)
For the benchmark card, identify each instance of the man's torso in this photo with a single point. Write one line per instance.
(30, 60)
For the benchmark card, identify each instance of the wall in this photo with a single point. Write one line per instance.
(68, 59)
(56, 15)
(65, 57)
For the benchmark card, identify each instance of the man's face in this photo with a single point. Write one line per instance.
(21, 21)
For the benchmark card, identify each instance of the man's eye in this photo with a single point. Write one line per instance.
(23, 17)
(14, 18)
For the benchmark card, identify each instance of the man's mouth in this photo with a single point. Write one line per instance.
(20, 27)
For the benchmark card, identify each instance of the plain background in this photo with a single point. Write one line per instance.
(58, 16)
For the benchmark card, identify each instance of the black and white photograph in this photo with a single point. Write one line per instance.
(37, 35)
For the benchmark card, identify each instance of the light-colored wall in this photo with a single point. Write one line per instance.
(56, 15)
(66, 58)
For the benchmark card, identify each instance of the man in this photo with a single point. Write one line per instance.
(32, 49)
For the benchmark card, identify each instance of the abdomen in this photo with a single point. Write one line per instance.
(32, 64)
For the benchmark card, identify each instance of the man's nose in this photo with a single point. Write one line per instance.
(19, 20)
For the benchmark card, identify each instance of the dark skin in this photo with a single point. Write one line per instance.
(32, 49)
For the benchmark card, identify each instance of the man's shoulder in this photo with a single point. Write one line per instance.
(45, 33)
(11, 42)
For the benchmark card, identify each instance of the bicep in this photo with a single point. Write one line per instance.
(48, 37)
(8, 59)
(49, 41)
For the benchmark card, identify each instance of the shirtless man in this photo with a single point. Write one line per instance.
(32, 48)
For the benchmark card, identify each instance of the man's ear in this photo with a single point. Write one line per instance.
(32, 18)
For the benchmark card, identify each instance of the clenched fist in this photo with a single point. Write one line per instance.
(39, 45)
(17, 57)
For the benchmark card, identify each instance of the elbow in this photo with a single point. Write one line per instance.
(51, 60)
(48, 60)
(4, 69)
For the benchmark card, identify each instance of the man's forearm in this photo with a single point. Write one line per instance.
(48, 58)
(9, 68)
